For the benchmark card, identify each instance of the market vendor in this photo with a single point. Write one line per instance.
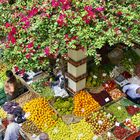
(133, 92)
(13, 129)
(13, 87)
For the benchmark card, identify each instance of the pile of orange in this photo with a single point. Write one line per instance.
(84, 104)
(41, 114)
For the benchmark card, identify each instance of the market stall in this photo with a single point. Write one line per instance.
(74, 57)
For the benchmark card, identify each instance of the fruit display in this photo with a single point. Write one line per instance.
(81, 131)
(84, 104)
(120, 132)
(102, 98)
(131, 126)
(132, 110)
(108, 136)
(24, 98)
(10, 107)
(109, 85)
(136, 120)
(3, 114)
(116, 94)
(101, 121)
(125, 102)
(60, 131)
(41, 114)
(64, 106)
(30, 127)
(41, 87)
(118, 111)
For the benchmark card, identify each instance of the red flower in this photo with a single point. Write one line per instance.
(13, 39)
(26, 25)
(61, 19)
(16, 68)
(65, 6)
(32, 12)
(24, 19)
(119, 13)
(88, 8)
(86, 19)
(47, 51)
(30, 45)
(13, 31)
(7, 24)
(28, 56)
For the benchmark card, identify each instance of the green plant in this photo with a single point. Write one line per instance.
(39, 30)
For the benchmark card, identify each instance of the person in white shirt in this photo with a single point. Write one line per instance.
(12, 131)
(133, 92)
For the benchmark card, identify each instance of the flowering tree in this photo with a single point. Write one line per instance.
(38, 30)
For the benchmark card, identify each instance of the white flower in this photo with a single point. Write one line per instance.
(130, 59)
(94, 76)
(104, 74)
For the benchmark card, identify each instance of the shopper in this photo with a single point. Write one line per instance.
(133, 92)
(12, 131)
(13, 87)
(43, 136)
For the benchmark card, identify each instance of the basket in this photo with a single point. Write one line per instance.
(26, 97)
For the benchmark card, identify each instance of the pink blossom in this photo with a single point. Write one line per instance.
(88, 8)
(66, 7)
(55, 3)
(32, 12)
(91, 14)
(13, 31)
(24, 19)
(100, 9)
(61, 19)
(86, 19)
(30, 45)
(47, 51)
(26, 25)
(28, 56)
(7, 24)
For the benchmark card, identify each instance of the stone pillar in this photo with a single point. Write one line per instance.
(76, 72)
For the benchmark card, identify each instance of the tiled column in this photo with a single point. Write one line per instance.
(77, 68)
